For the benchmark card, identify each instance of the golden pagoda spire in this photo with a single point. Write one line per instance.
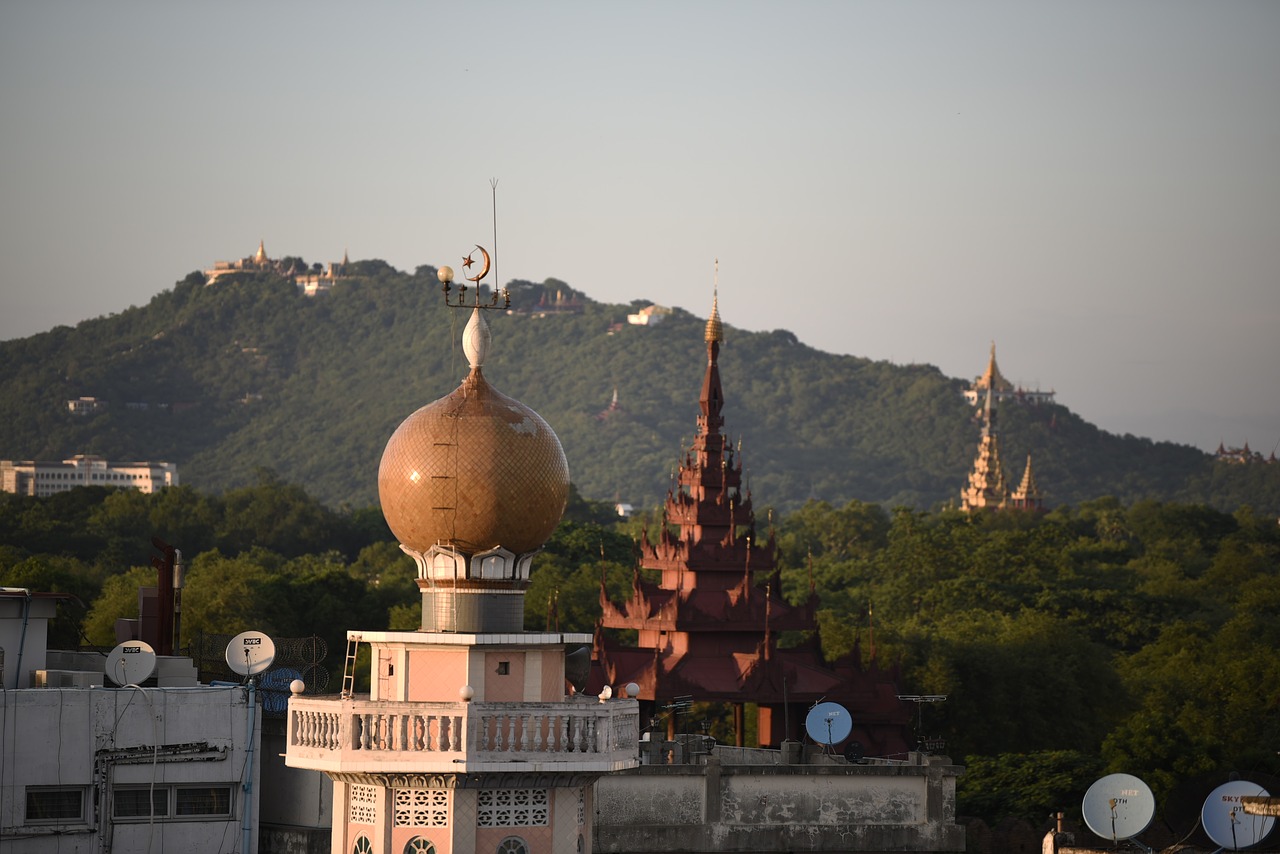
(987, 487)
(261, 256)
(991, 377)
(715, 330)
(1027, 495)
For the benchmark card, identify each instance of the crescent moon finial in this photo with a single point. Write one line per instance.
(484, 271)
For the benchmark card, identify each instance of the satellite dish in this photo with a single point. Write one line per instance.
(131, 663)
(853, 752)
(828, 723)
(1225, 820)
(1119, 806)
(250, 653)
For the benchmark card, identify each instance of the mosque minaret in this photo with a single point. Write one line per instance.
(471, 738)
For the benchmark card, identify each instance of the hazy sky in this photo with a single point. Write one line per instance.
(1095, 186)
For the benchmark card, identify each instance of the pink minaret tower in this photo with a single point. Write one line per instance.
(471, 738)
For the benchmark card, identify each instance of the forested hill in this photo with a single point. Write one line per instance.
(248, 374)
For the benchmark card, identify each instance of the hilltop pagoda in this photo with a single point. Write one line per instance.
(987, 488)
(708, 629)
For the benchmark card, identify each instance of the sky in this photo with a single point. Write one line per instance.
(1092, 186)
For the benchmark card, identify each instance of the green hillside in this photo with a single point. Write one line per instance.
(249, 374)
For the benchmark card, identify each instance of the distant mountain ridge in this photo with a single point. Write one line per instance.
(248, 373)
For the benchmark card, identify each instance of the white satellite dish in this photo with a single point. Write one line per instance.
(1119, 806)
(828, 723)
(1225, 820)
(250, 653)
(131, 663)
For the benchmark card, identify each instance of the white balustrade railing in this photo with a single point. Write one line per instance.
(481, 731)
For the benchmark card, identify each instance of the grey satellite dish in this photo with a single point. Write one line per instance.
(250, 653)
(131, 663)
(1225, 820)
(1119, 806)
(828, 723)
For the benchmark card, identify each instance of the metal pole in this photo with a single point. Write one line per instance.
(247, 846)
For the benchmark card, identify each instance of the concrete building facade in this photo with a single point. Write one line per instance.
(42, 478)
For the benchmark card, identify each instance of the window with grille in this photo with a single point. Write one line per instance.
(47, 805)
(418, 845)
(202, 800)
(513, 845)
(131, 802)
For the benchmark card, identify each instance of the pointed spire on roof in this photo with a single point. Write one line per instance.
(987, 487)
(1027, 495)
(261, 256)
(992, 378)
(715, 331)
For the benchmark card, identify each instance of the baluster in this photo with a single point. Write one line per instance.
(512, 744)
(592, 731)
(459, 735)
(538, 722)
(427, 723)
(362, 734)
(564, 746)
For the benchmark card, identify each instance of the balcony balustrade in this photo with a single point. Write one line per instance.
(363, 736)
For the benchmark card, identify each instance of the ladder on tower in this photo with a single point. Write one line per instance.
(349, 668)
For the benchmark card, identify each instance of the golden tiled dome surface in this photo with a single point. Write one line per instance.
(474, 470)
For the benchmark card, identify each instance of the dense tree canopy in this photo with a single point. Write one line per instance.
(1098, 638)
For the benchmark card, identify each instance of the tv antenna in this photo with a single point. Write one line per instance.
(923, 744)
(1118, 807)
(828, 724)
(1225, 820)
(131, 663)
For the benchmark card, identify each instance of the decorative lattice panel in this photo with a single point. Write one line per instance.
(364, 805)
(513, 808)
(422, 808)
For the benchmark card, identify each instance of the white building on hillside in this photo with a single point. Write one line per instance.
(41, 478)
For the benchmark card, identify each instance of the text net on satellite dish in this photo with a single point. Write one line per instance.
(300, 658)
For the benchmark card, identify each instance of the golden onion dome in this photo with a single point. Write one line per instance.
(474, 470)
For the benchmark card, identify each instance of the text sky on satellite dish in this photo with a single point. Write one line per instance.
(828, 723)
(131, 663)
(1225, 820)
(250, 653)
(1119, 806)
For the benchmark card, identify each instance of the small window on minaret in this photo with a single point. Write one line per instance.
(504, 668)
